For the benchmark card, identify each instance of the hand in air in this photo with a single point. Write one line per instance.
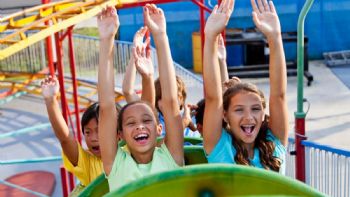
(265, 18)
(221, 48)
(154, 19)
(219, 18)
(143, 62)
(108, 22)
(49, 87)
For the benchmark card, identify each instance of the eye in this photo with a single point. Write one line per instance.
(148, 120)
(256, 109)
(130, 123)
(238, 110)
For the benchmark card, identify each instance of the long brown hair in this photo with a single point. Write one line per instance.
(265, 147)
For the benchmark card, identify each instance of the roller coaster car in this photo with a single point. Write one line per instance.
(216, 180)
(193, 155)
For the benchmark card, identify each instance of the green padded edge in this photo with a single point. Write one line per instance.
(97, 187)
(192, 171)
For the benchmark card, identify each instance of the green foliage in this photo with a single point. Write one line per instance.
(87, 31)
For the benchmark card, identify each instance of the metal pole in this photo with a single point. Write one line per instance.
(64, 182)
(202, 26)
(74, 82)
(49, 52)
(300, 114)
(59, 51)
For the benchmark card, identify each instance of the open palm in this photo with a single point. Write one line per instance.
(154, 19)
(49, 87)
(219, 18)
(139, 35)
(221, 48)
(108, 23)
(143, 61)
(265, 18)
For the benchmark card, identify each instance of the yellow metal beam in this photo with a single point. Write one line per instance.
(99, 4)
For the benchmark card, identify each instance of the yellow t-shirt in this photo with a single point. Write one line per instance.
(89, 166)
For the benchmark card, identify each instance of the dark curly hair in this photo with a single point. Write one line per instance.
(265, 147)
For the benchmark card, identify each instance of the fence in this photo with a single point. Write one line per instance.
(87, 53)
(290, 159)
(29, 60)
(327, 169)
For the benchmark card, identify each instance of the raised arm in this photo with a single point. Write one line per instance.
(212, 123)
(49, 88)
(155, 21)
(222, 62)
(128, 82)
(145, 68)
(266, 19)
(108, 24)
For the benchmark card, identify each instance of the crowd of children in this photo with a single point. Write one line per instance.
(231, 118)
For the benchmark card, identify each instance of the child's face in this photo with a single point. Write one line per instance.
(139, 128)
(244, 116)
(91, 137)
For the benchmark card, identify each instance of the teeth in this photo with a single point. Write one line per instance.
(141, 135)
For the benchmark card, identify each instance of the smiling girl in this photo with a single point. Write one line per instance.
(137, 121)
(250, 137)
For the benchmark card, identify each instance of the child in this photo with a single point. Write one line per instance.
(145, 68)
(152, 92)
(250, 138)
(189, 128)
(137, 122)
(86, 165)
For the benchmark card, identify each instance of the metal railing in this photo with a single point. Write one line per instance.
(290, 159)
(28, 60)
(327, 169)
(87, 53)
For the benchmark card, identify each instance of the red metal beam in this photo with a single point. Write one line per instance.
(59, 52)
(202, 26)
(49, 51)
(64, 182)
(71, 181)
(143, 3)
(74, 82)
(201, 5)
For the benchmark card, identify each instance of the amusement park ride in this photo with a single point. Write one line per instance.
(56, 20)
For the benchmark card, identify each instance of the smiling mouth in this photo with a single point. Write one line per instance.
(142, 137)
(248, 129)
